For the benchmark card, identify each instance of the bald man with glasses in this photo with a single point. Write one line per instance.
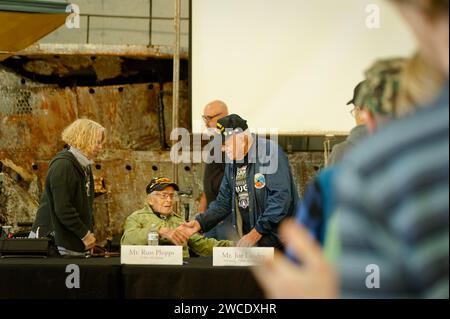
(214, 170)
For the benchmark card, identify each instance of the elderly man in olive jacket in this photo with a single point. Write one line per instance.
(158, 214)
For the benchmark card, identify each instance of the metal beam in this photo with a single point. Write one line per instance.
(176, 76)
(164, 52)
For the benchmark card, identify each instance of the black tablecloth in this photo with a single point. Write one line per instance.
(196, 279)
(106, 278)
(46, 278)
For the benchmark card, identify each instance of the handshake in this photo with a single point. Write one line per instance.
(181, 234)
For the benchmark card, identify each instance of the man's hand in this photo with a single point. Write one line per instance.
(315, 278)
(189, 228)
(89, 241)
(174, 235)
(250, 240)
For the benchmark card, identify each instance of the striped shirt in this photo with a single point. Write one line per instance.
(393, 210)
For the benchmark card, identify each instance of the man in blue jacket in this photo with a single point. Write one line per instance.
(257, 189)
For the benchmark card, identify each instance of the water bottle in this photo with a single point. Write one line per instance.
(153, 236)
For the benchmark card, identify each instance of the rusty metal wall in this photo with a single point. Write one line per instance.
(32, 116)
(16, 203)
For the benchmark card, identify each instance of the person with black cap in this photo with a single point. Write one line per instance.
(257, 189)
(158, 212)
(358, 133)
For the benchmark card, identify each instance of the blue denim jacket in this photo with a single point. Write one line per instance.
(272, 192)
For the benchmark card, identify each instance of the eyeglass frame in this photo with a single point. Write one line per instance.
(166, 196)
(208, 119)
(354, 110)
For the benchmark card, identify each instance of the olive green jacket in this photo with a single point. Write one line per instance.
(138, 225)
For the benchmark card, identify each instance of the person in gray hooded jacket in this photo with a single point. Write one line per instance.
(357, 134)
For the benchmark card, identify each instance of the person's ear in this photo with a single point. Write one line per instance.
(369, 118)
(150, 200)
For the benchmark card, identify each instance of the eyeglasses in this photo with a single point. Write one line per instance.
(166, 196)
(207, 118)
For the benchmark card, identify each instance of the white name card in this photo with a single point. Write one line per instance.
(151, 255)
(240, 256)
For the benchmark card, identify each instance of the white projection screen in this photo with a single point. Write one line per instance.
(289, 64)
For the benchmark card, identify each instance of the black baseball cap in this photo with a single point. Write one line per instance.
(356, 92)
(160, 183)
(231, 124)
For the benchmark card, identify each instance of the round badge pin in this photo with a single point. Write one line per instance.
(260, 181)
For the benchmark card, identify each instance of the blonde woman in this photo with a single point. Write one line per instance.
(66, 204)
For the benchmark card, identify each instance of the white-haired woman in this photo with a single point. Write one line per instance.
(67, 201)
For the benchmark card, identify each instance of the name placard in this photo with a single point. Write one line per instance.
(240, 256)
(151, 255)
